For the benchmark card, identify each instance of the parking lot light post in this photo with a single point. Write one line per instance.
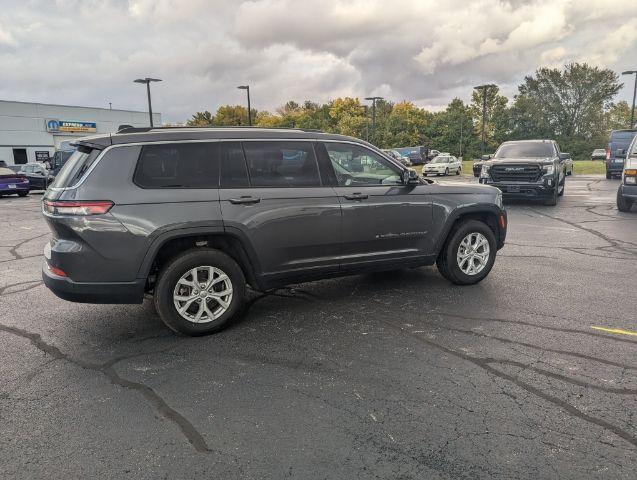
(247, 89)
(632, 110)
(147, 81)
(485, 89)
(374, 100)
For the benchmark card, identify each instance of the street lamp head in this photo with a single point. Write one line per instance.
(629, 72)
(146, 80)
(373, 99)
(243, 87)
(488, 85)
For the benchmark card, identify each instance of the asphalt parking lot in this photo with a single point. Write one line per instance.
(390, 375)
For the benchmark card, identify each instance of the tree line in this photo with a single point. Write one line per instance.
(573, 105)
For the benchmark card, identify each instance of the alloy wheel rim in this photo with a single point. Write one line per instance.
(203, 294)
(473, 253)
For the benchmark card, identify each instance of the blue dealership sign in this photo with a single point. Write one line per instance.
(53, 125)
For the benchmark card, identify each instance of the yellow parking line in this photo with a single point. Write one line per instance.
(616, 330)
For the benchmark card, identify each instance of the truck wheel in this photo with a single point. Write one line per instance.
(552, 200)
(623, 204)
(563, 187)
(23, 194)
(468, 254)
(458, 171)
(199, 292)
(608, 175)
(446, 171)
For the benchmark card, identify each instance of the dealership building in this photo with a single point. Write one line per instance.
(33, 131)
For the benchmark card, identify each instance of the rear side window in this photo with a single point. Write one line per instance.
(234, 173)
(178, 165)
(282, 164)
(76, 166)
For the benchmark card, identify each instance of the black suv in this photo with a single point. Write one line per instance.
(527, 169)
(193, 215)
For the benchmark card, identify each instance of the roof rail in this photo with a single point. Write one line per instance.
(131, 129)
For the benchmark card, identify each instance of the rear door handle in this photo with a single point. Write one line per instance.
(245, 200)
(356, 196)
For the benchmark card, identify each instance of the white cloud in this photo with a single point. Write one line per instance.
(89, 51)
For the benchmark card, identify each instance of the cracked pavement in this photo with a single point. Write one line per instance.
(387, 375)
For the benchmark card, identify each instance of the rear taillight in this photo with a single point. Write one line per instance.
(56, 271)
(608, 154)
(92, 207)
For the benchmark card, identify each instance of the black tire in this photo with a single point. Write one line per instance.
(22, 194)
(447, 258)
(608, 175)
(563, 185)
(446, 171)
(458, 171)
(552, 200)
(180, 265)
(623, 204)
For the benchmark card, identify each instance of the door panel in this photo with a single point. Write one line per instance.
(383, 220)
(291, 219)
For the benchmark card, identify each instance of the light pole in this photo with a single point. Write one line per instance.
(247, 89)
(150, 106)
(110, 106)
(373, 99)
(484, 89)
(632, 110)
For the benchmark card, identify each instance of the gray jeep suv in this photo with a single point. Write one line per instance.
(192, 215)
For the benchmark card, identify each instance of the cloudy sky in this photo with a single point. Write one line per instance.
(87, 52)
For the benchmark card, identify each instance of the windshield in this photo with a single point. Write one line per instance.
(75, 167)
(525, 150)
(440, 160)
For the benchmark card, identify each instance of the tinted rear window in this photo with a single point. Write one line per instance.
(178, 165)
(75, 167)
(525, 150)
(621, 139)
(282, 164)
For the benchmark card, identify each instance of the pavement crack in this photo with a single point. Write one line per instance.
(485, 364)
(14, 250)
(107, 369)
(28, 285)
(543, 349)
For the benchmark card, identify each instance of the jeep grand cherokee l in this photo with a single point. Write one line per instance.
(193, 215)
(527, 169)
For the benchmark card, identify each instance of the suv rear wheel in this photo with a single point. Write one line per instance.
(199, 292)
(468, 254)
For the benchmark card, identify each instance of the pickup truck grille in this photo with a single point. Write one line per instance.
(515, 173)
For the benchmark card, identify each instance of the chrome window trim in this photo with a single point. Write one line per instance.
(212, 140)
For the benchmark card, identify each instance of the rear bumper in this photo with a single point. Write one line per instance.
(628, 191)
(93, 292)
(615, 168)
(19, 187)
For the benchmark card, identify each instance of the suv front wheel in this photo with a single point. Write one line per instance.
(468, 254)
(199, 292)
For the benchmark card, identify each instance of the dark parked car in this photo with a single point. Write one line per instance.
(3, 164)
(598, 154)
(416, 155)
(39, 177)
(192, 215)
(12, 183)
(528, 169)
(616, 151)
(627, 191)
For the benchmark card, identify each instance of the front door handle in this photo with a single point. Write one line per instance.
(356, 196)
(245, 200)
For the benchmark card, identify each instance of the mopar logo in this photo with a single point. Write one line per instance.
(514, 169)
(52, 125)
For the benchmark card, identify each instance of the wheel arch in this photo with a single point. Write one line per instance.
(488, 214)
(173, 242)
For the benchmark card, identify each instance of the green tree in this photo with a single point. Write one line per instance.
(497, 127)
(572, 101)
(201, 119)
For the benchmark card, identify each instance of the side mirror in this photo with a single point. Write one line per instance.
(410, 177)
(565, 156)
(487, 157)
